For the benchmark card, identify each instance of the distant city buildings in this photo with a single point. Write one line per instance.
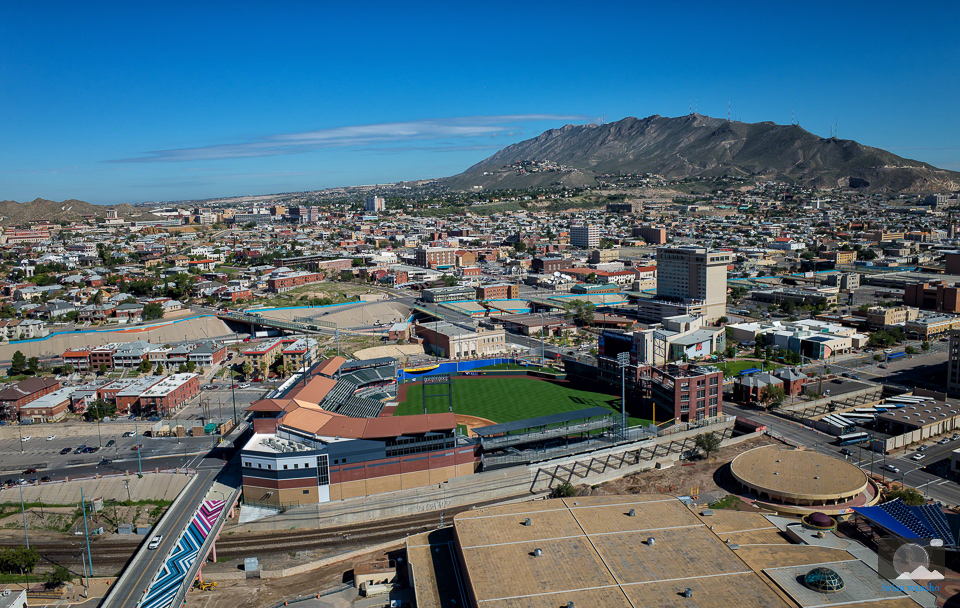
(374, 204)
(585, 236)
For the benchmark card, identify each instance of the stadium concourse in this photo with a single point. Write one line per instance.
(642, 550)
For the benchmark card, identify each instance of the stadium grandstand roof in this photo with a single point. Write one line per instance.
(519, 425)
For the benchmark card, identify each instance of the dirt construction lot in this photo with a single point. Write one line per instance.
(682, 479)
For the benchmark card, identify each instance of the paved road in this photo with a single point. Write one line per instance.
(145, 564)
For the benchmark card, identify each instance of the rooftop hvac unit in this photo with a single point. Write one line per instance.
(688, 592)
(651, 541)
(538, 552)
(527, 522)
(632, 513)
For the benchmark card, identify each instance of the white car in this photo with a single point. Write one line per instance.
(51, 437)
(26, 438)
(155, 542)
(890, 467)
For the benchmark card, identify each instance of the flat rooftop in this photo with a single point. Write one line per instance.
(594, 553)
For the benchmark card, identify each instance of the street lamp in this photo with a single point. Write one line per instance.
(623, 360)
(543, 358)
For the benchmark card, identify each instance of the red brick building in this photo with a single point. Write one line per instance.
(688, 391)
(292, 280)
(499, 291)
(933, 296)
(22, 393)
(102, 355)
(79, 358)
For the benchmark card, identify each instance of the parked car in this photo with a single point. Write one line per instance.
(921, 448)
(155, 542)
(943, 441)
(26, 438)
(51, 437)
(65, 451)
(80, 448)
(45, 479)
(111, 443)
(128, 434)
(136, 447)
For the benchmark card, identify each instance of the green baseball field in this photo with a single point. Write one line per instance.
(507, 399)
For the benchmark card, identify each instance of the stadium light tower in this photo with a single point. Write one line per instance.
(623, 360)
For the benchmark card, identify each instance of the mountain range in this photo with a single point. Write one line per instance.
(696, 145)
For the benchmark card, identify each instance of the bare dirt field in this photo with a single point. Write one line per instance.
(683, 478)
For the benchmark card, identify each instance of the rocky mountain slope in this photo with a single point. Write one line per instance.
(696, 145)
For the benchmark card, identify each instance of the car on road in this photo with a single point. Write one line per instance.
(136, 447)
(921, 448)
(128, 434)
(917, 457)
(51, 437)
(26, 438)
(29, 471)
(155, 542)
(244, 385)
(106, 461)
(891, 468)
(111, 443)
(846, 452)
(65, 451)
(234, 386)
(154, 418)
(882, 366)
(943, 441)
(45, 479)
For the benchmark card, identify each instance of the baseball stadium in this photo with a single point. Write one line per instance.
(347, 429)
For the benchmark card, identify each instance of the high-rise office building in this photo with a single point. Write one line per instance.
(695, 276)
(953, 365)
(584, 236)
(374, 204)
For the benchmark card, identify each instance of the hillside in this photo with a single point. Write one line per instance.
(696, 145)
(14, 213)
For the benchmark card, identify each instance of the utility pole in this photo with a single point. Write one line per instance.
(136, 437)
(83, 506)
(24, 511)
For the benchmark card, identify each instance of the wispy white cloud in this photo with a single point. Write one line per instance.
(357, 135)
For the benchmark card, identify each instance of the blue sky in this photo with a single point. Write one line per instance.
(129, 102)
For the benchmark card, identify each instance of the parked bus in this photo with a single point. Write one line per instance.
(852, 438)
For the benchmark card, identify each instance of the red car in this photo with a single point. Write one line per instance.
(136, 447)
(235, 386)
(29, 471)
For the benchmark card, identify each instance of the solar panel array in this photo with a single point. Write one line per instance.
(938, 522)
(904, 515)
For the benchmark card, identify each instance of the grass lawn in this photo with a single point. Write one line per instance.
(508, 399)
(732, 368)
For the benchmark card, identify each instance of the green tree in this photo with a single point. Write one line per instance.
(182, 368)
(450, 281)
(925, 345)
(145, 366)
(730, 352)
(707, 443)
(907, 495)
(33, 364)
(564, 490)
(191, 366)
(520, 247)
(100, 409)
(18, 364)
(580, 311)
(246, 369)
(18, 559)
(66, 369)
(774, 396)
(159, 370)
(154, 310)
(910, 350)
(58, 576)
(103, 369)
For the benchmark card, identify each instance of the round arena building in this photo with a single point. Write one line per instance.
(797, 477)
